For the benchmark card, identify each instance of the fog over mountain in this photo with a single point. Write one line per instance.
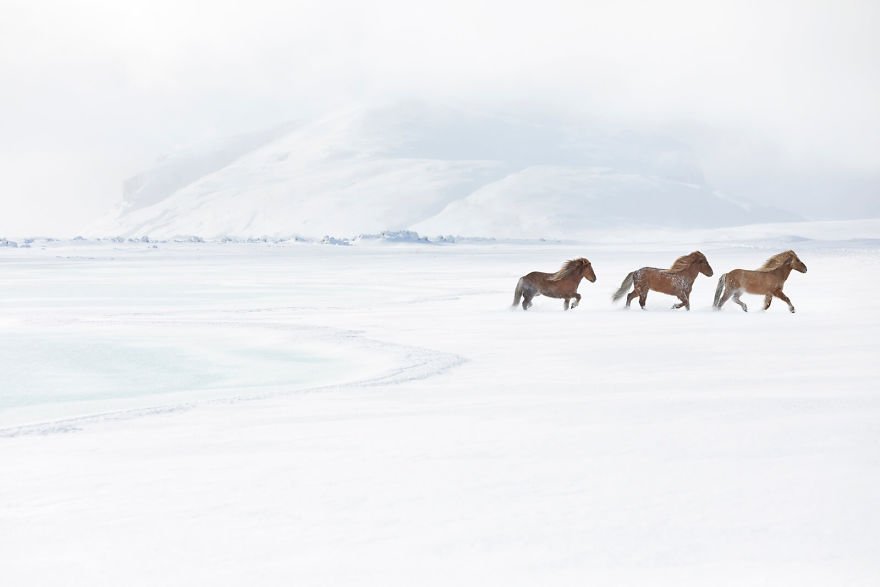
(437, 170)
(776, 103)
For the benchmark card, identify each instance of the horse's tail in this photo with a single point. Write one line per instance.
(718, 291)
(518, 292)
(627, 283)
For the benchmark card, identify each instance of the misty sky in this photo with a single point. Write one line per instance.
(780, 99)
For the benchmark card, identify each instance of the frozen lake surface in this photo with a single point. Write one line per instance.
(76, 371)
(319, 415)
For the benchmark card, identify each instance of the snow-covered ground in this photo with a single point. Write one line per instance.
(302, 414)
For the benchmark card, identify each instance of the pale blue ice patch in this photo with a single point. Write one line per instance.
(72, 373)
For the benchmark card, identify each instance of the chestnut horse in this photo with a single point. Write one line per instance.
(676, 281)
(766, 281)
(562, 284)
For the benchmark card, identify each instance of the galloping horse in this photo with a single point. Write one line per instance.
(562, 284)
(766, 281)
(676, 281)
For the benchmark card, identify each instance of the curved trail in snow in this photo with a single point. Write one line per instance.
(413, 364)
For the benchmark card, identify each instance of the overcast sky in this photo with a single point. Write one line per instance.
(779, 98)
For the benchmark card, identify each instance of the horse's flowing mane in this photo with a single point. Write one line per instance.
(684, 262)
(569, 267)
(777, 260)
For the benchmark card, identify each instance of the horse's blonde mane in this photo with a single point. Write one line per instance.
(777, 260)
(684, 262)
(569, 267)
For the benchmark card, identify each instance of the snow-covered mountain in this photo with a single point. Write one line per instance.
(434, 170)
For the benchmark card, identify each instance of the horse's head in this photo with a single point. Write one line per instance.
(787, 259)
(702, 264)
(797, 264)
(587, 271)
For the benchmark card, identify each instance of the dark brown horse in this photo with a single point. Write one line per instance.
(562, 284)
(676, 281)
(767, 281)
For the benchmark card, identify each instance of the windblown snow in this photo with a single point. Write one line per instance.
(430, 169)
(291, 413)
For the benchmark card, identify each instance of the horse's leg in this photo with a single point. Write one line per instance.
(577, 300)
(527, 299)
(767, 300)
(632, 295)
(643, 297)
(683, 303)
(741, 303)
(567, 301)
(778, 293)
(725, 297)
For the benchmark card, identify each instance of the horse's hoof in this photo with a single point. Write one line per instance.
(745, 308)
(792, 310)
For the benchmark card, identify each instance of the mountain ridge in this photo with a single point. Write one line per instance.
(434, 170)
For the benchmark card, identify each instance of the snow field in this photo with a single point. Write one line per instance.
(481, 446)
